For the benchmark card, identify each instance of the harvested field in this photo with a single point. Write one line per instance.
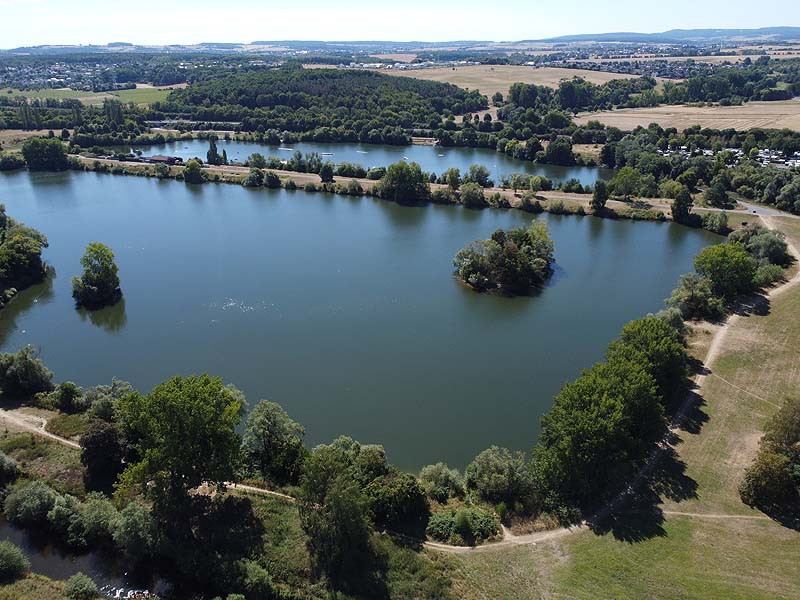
(489, 79)
(768, 115)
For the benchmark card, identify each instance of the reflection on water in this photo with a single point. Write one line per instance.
(111, 318)
(106, 570)
(39, 294)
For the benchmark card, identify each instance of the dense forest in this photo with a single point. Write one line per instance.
(332, 105)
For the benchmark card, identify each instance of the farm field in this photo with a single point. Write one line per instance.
(769, 115)
(708, 545)
(489, 79)
(143, 94)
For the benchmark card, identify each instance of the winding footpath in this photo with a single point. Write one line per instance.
(766, 215)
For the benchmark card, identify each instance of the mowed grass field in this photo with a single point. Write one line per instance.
(141, 95)
(719, 548)
(768, 115)
(489, 79)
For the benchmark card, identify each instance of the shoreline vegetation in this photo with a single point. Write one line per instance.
(347, 486)
(551, 201)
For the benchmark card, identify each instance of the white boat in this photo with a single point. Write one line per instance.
(286, 149)
(326, 153)
(361, 152)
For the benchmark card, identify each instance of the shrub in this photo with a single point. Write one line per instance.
(497, 474)
(716, 222)
(272, 181)
(289, 185)
(467, 526)
(695, 298)
(729, 268)
(28, 503)
(557, 207)
(354, 188)
(376, 173)
(23, 374)
(68, 398)
(255, 178)
(11, 162)
(767, 482)
(471, 195)
(766, 275)
(441, 482)
(9, 470)
(444, 196)
(398, 503)
(310, 187)
(134, 530)
(80, 587)
(13, 562)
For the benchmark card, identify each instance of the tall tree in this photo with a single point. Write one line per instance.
(99, 284)
(183, 433)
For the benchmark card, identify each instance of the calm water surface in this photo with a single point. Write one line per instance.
(431, 159)
(344, 310)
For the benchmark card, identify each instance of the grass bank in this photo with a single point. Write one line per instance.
(695, 539)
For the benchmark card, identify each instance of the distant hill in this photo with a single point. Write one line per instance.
(686, 36)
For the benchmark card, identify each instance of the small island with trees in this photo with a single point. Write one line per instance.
(514, 261)
(99, 285)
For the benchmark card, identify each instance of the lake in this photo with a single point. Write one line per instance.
(343, 310)
(430, 158)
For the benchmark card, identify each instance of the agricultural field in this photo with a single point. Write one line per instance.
(489, 79)
(768, 115)
(143, 94)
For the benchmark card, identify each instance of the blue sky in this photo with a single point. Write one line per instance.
(33, 22)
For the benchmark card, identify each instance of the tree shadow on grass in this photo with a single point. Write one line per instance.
(637, 516)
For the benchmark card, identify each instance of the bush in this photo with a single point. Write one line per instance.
(9, 470)
(404, 183)
(729, 268)
(766, 275)
(28, 503)
(716, 222)
(23, 374)
(289, 185)
(310, 187)
(441, 482)
(255, 178)
(467, 526)
(11, 162)
(444, 196)
(471, 195)
(497, 474)
(376, 173)
(80, 587)
(134, 531)
(68, 398)
(45, 154)
(695, 298)
(557, 207)
(398, 503)
(13, 562)
(768, 482)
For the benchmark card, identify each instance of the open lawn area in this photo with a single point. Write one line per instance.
(695, 538)
(768, 115)
(143, 94)
(489, 79)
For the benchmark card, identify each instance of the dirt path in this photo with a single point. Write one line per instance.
(23, 423)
